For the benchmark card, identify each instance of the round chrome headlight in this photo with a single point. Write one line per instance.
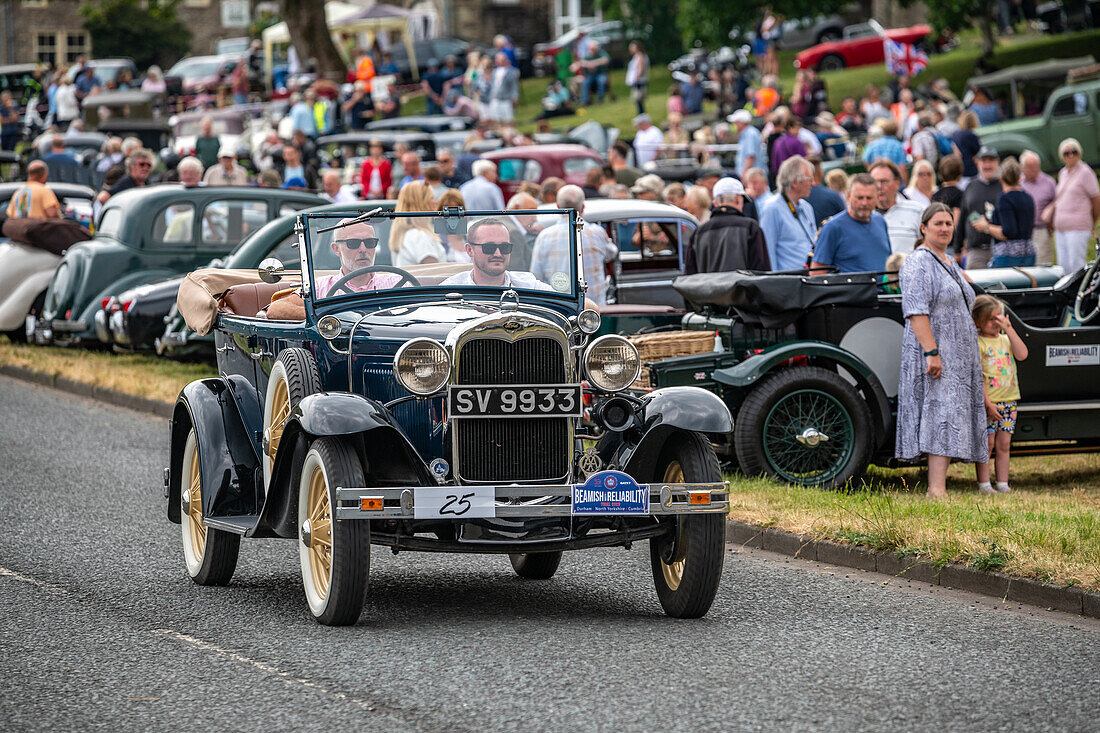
(329, 327)
(612, 363)
(422, 366)
(588, 321)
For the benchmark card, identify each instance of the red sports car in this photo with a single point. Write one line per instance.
(861, 46)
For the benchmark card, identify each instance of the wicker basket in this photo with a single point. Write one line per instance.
(666, 345)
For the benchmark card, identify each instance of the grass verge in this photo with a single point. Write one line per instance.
(135, 374)
(1047, 528)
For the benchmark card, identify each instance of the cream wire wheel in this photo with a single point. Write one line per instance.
(334, 554)
(210, 554)
(293, 377)
(687, 566)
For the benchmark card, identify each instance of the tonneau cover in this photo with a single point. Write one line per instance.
(776, 301)
(53, 235)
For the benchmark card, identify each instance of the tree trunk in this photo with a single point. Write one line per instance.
(988, 39)
(305, 19)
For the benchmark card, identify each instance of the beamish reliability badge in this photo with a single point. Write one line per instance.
(610, 492)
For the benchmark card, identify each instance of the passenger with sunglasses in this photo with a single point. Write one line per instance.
(139, 166)
(490, 249)
(356, 246)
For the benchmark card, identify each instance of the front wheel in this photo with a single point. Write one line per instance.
(687, 567)
(535, 565)
(210, 554)
(335, 555)
(832, 62)
(804, 425)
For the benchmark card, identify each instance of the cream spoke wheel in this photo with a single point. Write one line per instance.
(293, 378)
(209, 554)
(320, 559)
(673, 572)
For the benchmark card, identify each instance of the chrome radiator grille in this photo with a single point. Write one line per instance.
(522, 449)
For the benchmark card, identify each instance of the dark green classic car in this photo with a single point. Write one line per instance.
(149, 234)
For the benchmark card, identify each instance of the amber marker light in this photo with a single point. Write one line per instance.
(698, 497)
(371, 504)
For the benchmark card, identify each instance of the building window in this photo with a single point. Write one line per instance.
(196, 3)
(45, 48)
(76, 44)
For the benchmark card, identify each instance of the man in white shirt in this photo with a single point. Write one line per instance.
(481, 193)
(647, 140)
(332, 190)
(902, 215)
(552, 258)
(490, 249)
(227, 172)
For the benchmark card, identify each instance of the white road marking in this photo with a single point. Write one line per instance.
(32, 581)
(263, 667)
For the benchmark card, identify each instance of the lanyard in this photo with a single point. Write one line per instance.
(801, 225)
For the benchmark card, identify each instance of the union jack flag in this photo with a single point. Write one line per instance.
(904, 59)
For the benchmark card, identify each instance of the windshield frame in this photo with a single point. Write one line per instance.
(431, 292)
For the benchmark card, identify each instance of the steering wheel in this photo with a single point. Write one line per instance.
(1087, 304)
(342, 283)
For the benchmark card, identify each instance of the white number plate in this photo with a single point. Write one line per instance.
(454, 502)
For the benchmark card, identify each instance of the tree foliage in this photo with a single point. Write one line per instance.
(148, 32)
(957, 14)
(653, 22)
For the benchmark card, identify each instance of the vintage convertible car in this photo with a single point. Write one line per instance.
(149, 234)
(25, 270)
(811, 367)
(416, 409)
(861, 45)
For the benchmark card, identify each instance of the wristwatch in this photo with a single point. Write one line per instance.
(932, 352)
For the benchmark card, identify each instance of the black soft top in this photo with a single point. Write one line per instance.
(776, 301)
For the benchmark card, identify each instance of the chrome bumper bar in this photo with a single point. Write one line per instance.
(521, 502)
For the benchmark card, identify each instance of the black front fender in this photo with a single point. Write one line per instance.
(224, 419)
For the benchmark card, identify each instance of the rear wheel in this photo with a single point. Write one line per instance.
(293, 377)
(535, 565)
(831, 62)
(804, 425)
(687, 567)
(335, 555)
(19, 335)
(210, 554)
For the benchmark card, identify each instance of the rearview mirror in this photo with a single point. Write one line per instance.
(271, 270)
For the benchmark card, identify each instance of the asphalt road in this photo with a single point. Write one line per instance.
(100, 628)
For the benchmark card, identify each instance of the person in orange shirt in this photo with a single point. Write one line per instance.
(766, 98)
(364, 70)
(34, 200)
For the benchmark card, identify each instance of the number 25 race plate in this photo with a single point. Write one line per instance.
(521, 400)
(610, 492)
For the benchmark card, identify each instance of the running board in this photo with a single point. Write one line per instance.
(1058, 406)
(237, 525)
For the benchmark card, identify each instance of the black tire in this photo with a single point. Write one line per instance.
(688, 569)
(785, 455)
(535, 565)
(831, 62)
(210, 555)
(337, 589)
(19, 335)
(293, 377)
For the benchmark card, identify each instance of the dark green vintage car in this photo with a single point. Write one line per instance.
(149, 234)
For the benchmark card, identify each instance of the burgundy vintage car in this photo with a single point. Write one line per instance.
(861, 46)
(536, 163)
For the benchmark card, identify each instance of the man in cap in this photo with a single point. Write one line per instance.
(728, 240)
(647, 140)
(855, 240)
(978, 200)
(750, 145)
(648, 188)
(227, 172)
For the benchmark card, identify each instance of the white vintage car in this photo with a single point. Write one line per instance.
(26, 271)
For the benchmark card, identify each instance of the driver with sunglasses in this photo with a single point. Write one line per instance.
(355, 245)
(490, 249)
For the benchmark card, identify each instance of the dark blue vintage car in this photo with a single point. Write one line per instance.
(433, 406)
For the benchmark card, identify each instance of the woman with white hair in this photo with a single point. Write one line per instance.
(922, 183)
(1075, 208)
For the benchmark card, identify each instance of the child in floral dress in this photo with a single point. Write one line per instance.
(1000, 348)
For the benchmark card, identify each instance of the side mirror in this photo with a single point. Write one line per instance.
(271, 270)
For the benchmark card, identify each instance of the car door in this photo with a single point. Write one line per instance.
(1073, 113)
(651, 255)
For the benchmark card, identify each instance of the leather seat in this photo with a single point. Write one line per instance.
(250, 298)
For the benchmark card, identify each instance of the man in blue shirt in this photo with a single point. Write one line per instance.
(886, 146)
(750, 145)
(692, 93)
(87, 82)
(57, 153)
(855, 240)
(301, 114)
(788, 219)
(433, 84)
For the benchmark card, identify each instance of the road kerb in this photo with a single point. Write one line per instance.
(961, 577)
(110, 396)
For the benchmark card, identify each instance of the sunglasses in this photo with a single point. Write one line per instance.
(368, 242)
(491, 248)
(1071, 152)
(144, 164)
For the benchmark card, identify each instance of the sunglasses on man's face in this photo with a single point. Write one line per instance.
(491, 248)
(143, 164)
(368, 242)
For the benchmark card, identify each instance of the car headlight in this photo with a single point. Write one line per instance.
(612, 363)
(422, 366)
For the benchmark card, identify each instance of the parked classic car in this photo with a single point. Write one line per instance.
(537, 162)
(1072, 110)
(352, 148)
(227, 124)
(423, 123)
(860, 46)
(145, 317)
(798, 33)
(811, 367)
(193, 73)
(149, 234)
(1023, 90)
(25, 271)
(107, 69)
(406, 409)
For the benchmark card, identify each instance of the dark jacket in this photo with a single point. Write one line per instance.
(727, 241)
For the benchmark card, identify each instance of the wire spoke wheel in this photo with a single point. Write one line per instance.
(673, 572)
(209, 554)
(293, 378)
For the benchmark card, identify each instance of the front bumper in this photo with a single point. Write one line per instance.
(532, 501)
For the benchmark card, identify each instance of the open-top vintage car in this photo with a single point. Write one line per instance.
(811, 365)
(435, 407)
